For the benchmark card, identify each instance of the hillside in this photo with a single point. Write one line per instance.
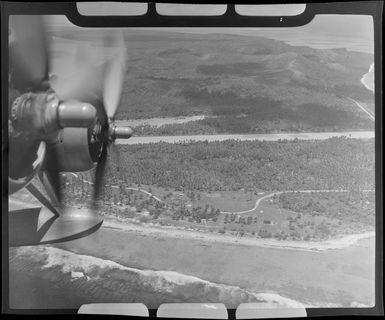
(178, 74)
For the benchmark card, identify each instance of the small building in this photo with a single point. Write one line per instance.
(268, 230)
(265, 233)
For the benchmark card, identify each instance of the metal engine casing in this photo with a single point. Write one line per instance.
(73, 150)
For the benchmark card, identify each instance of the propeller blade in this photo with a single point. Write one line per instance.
(82, 77)
(28, 53)
(52, 174)
(115, 72)
(78, 76)
(116, 153)
(99, 173)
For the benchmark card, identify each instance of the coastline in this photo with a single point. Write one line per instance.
(157, 231)
(101, 278)
(173, 232)
(175, 257)
(368, 78)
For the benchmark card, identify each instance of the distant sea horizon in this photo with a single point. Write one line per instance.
(298, 37)
(354, 33)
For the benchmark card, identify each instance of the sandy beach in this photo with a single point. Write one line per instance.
(305, 271)
(306, 275)
(173, 232)
(155, 230)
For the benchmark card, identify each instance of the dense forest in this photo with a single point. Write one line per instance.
(172, 184)
(346, 207)
(244, 119)
(173, 74)
(226, 74)
(336, 163)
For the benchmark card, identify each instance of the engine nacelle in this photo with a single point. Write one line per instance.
(74, 151)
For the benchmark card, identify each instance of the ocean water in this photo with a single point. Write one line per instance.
(96, 272)
(67, 268)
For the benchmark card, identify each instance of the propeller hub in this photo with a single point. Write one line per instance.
(120, 132)
(110, 132)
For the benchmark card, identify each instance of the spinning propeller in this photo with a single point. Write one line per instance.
(107, 131)
(49, 103)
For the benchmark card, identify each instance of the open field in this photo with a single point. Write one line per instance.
(309, 215)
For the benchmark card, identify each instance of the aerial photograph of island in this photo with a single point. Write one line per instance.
(250, 176)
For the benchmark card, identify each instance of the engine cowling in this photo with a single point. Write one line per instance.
(74, 150)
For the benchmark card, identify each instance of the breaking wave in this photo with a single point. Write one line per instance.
(170, 285)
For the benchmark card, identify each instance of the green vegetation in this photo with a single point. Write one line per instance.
(337, 163)
(349, 208)
(301, 118)
(233, 69)
(207, 74)
(191, 183)
(180, 74)
(242, 85)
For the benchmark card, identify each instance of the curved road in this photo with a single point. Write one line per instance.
(270, 195)
(257, 203)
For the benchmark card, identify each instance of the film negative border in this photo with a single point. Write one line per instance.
(229, 19)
